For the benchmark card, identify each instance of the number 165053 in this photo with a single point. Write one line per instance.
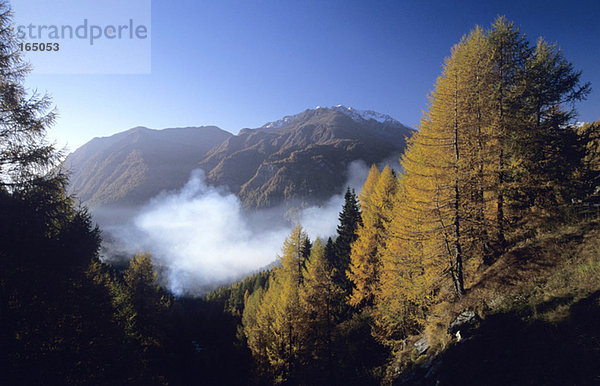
(39, 46)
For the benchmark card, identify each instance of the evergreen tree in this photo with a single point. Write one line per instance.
(148, 300)
(305, 251)
(330, 251)
(349, 220)
(26, 159)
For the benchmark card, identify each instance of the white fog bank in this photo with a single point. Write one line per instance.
(201, 237)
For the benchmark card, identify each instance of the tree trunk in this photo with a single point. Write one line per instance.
(458, 264)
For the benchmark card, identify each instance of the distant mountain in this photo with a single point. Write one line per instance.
(133, 166)
(302, 157)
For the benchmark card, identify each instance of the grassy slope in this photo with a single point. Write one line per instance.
(540, 322)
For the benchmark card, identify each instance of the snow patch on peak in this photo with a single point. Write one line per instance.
(364, 115)
(356, 115)
(277, 124)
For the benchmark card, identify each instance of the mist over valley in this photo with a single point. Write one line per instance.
(212, 207)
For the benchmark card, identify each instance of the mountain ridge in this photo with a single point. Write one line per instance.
(272, 164)
(114, 169)
(301, 157)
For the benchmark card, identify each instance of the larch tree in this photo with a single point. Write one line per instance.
(365, 258)
(510, 51)
(405, 283)
(256, 322)
(364, 197)
(439, 203)
(545, 157)
(477, 175)
(148, 301)
(275, 333)
(320, 297)
(433, 164)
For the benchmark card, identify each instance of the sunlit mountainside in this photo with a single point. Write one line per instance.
(303, 157)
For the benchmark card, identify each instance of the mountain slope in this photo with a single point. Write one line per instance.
(301, 158)
(133, 166)
(304, 156)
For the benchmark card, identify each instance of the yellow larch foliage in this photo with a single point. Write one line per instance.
(275, 333)
(319, 299)
(432, 219)
(365, 258)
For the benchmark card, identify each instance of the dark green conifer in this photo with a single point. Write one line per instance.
(349, 220)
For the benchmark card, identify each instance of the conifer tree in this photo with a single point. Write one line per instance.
(510, 51)
(349, 220)
(545, 156)
(365, 259)
(329, 251)
(364, 197)
(320, 298)
(441, 206)
(147, 299)
(406, 279)
(433, 167)
(477, 182)
(276, 337)
(26, 159)
(305, 251)
(589, 148)
(256, 320)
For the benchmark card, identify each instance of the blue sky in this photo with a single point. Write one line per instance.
(239, 64)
